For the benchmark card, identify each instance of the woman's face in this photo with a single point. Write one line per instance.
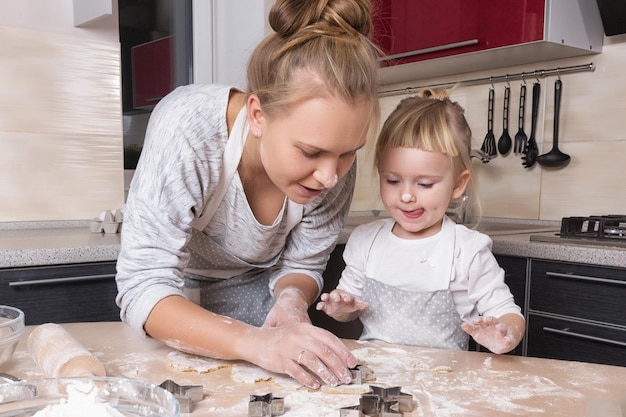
(416, 187)
(307, 149)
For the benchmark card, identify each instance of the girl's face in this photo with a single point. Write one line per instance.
(313, 145)
(416, 188)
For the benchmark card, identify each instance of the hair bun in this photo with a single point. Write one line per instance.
(289, 16)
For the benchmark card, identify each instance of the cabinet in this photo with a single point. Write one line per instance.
(577, 312)
(62, 293)
(430, 38)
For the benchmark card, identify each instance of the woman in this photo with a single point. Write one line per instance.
(238, 199)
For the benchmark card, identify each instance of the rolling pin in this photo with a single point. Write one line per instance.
(59, 354)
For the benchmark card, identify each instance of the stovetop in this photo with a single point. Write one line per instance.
(606, 230)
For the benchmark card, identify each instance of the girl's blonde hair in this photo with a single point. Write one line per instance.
(320, 47)
(429, 121)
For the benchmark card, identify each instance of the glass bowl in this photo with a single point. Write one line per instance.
(87, 396)
(11, 330)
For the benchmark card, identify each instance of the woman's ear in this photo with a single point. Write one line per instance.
(256, 118)
(461, 184)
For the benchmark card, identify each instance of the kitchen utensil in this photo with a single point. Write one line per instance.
(531, 150)
(266, 405)
(489, 144)
(130, 398)
(11, 331)
(59, 354)
(185, 394)
(555, 158)
(505, 142)
(520, 136)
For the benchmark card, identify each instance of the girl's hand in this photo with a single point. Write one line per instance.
(340, 305)
(306, 353)
(493, 334)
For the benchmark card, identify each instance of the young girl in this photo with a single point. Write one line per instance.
(238, 198)
(418, 278)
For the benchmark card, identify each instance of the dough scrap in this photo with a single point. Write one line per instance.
(440, 369)
(353, 389)
(193, 363)
(248, 373)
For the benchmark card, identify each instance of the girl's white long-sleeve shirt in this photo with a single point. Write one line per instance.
(457, 258)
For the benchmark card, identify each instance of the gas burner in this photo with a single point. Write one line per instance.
(594, 227)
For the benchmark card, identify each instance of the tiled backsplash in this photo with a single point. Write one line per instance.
(591, 131)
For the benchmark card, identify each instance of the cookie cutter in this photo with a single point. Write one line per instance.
(185, 394)
(361, 374)
(381, 402)
(266, 406)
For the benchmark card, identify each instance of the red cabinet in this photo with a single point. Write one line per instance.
(410, 31)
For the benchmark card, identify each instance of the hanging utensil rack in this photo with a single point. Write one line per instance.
(540, 73)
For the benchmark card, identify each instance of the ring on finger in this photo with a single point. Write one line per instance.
(300, 357)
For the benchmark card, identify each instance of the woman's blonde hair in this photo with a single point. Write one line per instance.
(429, 121)
(319, 47)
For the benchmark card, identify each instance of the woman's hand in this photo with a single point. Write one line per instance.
(306, 353)
(498, 335)
(341, 305)
(290, 307)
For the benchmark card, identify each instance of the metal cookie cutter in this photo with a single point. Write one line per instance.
(185, 394)
(381, 402)
(265, 406)
(361, 374)
(13, 389)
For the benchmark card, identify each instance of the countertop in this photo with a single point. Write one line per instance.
(72, 242)
(443, 383)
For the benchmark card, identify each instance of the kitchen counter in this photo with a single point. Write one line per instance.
(74, 243)
(442, 382)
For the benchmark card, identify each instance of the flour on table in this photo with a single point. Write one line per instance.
(193, 363)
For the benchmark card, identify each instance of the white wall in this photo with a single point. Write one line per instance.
(60, 113)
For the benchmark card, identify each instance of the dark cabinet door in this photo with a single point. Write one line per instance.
(561, 338)
(583, 291)
(62, 293)
(577, 312)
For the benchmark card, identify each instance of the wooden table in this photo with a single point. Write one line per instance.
(442, 382)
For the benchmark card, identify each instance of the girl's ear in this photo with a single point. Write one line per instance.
(461, 184)
(256, 116)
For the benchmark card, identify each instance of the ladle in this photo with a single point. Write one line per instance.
(555, 158)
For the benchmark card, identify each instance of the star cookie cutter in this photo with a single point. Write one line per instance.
(185, 394)
(381, 402)
(266, 406)
(361, 374)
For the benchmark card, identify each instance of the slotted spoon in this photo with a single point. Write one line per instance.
(520, 136)
(489, 144)
(532, 150)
